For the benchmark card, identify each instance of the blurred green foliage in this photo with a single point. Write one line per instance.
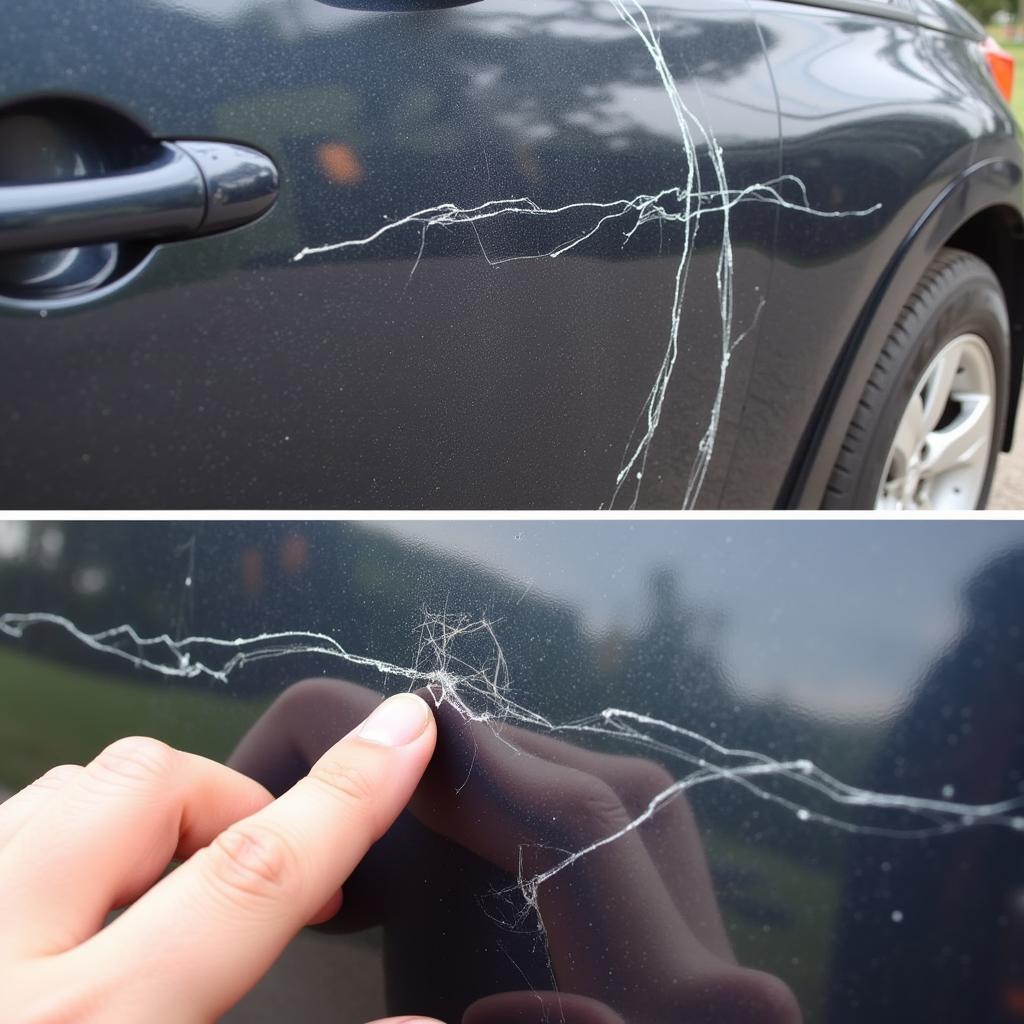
(983, 10)
(53, 714)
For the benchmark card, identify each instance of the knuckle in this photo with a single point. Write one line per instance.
(594, 809)
(348, 783)
(644, 779)
(600, 801)
(134, 760)
(28, 1000)
(44, 1012)
(249, 863)
(56, 777)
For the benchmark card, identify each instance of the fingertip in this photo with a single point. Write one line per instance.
(398, 721)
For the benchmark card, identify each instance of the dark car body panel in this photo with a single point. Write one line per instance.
(979, 190)
(890, 655)
(224, 373)
(941, 154)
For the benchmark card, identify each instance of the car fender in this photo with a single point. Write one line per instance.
(984, 184)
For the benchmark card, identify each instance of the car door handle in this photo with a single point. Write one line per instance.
(187, 189)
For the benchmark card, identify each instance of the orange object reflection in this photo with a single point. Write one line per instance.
(252, 571)
(339, 163)
(294, 554)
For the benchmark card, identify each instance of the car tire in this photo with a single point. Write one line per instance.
(927, 430)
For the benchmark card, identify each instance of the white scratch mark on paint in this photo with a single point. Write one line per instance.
(480, 692)
(685, 204)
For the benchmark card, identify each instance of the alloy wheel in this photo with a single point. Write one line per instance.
(940, 454)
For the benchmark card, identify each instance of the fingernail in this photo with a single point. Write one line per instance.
(399, 720)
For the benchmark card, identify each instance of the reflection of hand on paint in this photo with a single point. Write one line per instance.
(82, 841)
(631, 928)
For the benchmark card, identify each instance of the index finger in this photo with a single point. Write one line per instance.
(202, 937)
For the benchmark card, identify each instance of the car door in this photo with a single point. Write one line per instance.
(499, 271)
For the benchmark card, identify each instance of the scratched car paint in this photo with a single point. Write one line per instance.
(709, 772)
(552, 253)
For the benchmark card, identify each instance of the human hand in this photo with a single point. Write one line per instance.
(632, 929)
(82, 841)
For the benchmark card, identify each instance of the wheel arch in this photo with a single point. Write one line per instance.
(996, 235)
(971, 213)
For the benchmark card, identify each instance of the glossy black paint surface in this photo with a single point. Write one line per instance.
(426, 372)
(907, 152)
(890, 655)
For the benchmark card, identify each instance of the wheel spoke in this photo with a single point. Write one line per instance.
(943, 443)
(910, 432)
(890, 490)
(962, 440)
(938, 388)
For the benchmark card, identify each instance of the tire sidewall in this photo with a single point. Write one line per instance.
(974, 305)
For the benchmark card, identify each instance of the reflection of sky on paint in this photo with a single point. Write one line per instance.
(836, 616)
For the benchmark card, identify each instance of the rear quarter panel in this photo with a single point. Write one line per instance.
(874, 111)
